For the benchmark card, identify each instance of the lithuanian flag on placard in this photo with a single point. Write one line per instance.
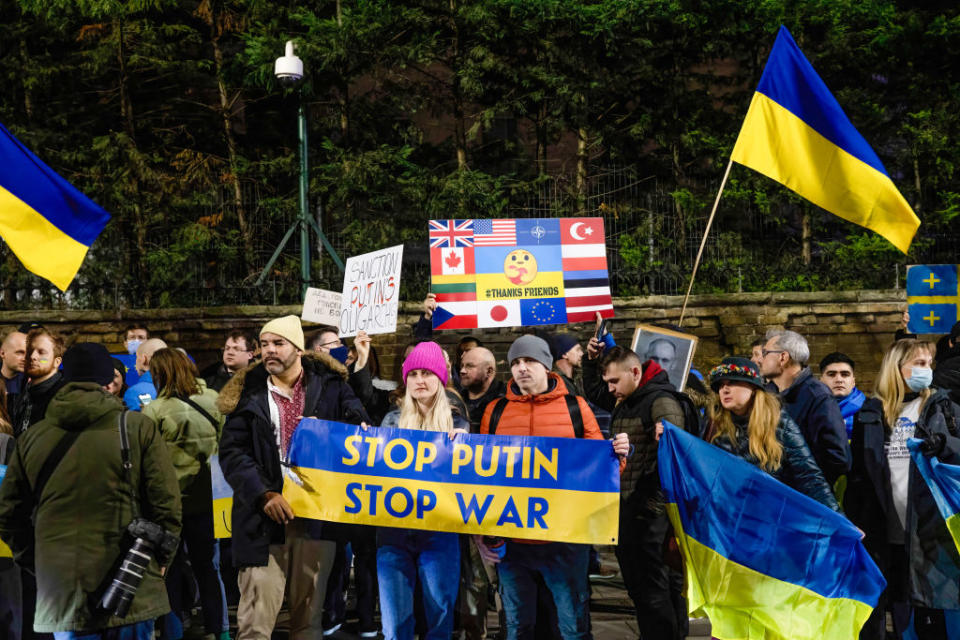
(762, 560)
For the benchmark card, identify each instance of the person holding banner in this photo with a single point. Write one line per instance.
(749, 422)
(889, 501)
(406, 557)
(275, 552)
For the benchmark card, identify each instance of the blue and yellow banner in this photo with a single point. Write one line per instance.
(932, 297)
(552, 489)
(762, 560)
(944, 483)
(222, 500)
(46, 221)
(5, 551)
(796, 133)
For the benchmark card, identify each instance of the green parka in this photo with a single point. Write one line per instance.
(191, 440)
(83, 511)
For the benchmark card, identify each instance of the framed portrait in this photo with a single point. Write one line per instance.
(672, 350)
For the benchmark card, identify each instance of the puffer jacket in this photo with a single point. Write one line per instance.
(83, 511)
(545, 414)
(798, 468)
(192, 439)
(249, 455)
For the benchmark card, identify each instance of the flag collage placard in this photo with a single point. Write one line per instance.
(518, 272)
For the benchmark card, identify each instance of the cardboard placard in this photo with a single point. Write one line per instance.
(321, 306)
(371, 292)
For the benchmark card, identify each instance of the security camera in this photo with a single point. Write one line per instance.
(289, 68)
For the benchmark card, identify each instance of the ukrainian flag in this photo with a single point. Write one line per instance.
(944, 483)
(762, 561)
(796, 133)
(44, 219)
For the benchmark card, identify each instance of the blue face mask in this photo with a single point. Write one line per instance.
(133, 345)
(920, 378)
(340, 354)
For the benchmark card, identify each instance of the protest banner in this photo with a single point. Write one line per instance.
(371, 292)
(932, 297)
(4, 549)
(321, 306)
(222, 500)
(551, 489)
(518, 272)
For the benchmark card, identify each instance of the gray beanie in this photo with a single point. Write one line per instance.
(530, 346)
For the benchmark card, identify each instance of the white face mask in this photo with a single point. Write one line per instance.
(133, 345)
(920, 378)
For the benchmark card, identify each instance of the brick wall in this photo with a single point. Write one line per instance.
(859, 323)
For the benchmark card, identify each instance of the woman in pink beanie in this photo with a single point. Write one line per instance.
(403, 555)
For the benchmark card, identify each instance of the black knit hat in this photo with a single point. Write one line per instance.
(736, 370)
(88, 362)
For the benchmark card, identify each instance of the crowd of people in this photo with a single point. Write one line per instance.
(106, 502)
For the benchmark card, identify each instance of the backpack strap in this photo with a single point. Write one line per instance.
(576, 417)
(201, 411)
(495, 415)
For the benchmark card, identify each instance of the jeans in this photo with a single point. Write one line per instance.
(563, 568)
(646, 575)
(198, 544)
(402, 557)
(136, 631)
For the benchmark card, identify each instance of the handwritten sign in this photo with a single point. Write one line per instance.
(557, 489)
(321, 306)
(371, 292)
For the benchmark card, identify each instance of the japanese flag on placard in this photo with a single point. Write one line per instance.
(581, 231)
(451, 261)
(498, 313)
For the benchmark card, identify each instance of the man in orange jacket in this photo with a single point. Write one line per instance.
(538, 404)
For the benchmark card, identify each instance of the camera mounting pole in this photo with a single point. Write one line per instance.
(289, 71)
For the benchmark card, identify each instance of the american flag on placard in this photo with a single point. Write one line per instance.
(451, 233)
(495, 233)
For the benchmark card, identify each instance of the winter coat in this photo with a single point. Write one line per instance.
(933, 561)
(477, 407)
(85, 508)
(545, 414)
(798, 468)
(192, 439)
(393, 418)
(141, 394)
(813, 407)
(249, 455)
(947, 376)
(31, 404)
(216, 376)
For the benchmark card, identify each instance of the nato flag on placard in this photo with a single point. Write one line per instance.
(538, 231)
(931, 280)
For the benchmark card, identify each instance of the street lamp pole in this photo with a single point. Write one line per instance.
(289, 71)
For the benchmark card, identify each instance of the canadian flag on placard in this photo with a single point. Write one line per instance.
(451, 261)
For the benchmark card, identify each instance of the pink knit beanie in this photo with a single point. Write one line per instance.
(429, 356)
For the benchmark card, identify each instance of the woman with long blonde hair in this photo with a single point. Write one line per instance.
(889, 500)
(408, 556)
(749, 422)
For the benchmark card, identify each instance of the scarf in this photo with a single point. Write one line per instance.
(849, 405)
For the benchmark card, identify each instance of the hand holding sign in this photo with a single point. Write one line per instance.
(277, 508)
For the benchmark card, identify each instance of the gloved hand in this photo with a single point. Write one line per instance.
(933, 444)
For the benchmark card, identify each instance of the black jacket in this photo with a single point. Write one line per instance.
(216, 376)
(947, 376)
(933, 561)
(31, 404)
(814, 409)
(798, 469)
(248, 448)
(476, 407)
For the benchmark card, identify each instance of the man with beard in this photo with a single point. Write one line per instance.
(567, 356)
(274, 551)
(479, 384)
(44, 354)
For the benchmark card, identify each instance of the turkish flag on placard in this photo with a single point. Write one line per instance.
(451, 261)
(581, 231)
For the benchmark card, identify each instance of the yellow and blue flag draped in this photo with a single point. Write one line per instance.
(932, 297)
(222, 500)
(796, 133)
(5, 551)
(762, 561)
(557, 489)
(44, 219)
(944, 483)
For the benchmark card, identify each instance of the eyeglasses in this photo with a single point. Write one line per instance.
(765, 352)
(331, 344)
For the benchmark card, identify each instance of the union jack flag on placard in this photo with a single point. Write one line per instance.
(451, 233)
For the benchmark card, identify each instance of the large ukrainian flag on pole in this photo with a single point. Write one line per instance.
(44, 219)
(762, 561)
(796, 133)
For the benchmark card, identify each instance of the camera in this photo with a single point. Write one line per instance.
(149, 540)
(289, 68)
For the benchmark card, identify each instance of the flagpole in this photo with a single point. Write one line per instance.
(706, 233)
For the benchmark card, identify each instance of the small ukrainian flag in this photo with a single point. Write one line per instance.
(44, 219)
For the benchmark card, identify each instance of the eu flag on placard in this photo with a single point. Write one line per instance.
(762, 560)
(796, 133)
(44, 219)
(932, 297)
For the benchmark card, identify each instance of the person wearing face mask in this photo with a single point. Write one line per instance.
(133, 336)
(888, 499)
